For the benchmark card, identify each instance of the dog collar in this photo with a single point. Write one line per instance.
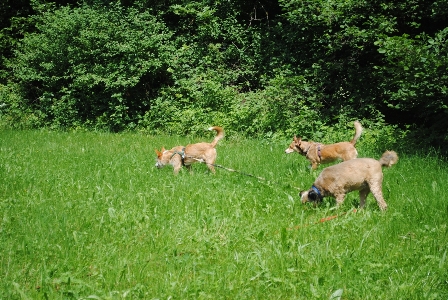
(317, 191)
(318, 151)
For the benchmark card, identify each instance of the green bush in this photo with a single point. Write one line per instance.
(14, 112)
(189, 107)
(416, 79)
(99, 65)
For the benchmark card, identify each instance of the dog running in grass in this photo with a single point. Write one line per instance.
(318, 153)
(361, 174)
(185, 156)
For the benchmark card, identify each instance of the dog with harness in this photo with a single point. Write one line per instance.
(185, 156)
(318, 153)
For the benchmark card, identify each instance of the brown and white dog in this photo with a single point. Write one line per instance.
(185, 156)
(361, 174)
(318, 153)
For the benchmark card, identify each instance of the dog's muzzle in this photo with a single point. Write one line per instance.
(289, 150)
(158, 165)
(304, 196)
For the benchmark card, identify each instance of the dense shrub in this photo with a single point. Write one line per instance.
(366, 57)
(14, 111)
(97, 65)
(416, 78)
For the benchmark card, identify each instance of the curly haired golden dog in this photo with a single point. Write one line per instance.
(362, 174)
(318, 153)
(185, 156)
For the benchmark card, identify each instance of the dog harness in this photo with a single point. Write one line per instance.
(318, 151)
(181, 153)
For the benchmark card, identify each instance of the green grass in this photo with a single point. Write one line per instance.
(87, 215)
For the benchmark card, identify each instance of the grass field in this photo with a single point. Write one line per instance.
(88, 216)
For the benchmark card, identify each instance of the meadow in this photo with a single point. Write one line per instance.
(87, 215)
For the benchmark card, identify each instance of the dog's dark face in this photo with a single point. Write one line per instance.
(310, 196)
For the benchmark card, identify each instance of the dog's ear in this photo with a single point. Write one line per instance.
(158, 152)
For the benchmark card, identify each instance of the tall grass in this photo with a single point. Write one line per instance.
(87, 215)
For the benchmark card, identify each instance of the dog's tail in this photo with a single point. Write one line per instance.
(388, 159)
(218, 137)
(358, 131)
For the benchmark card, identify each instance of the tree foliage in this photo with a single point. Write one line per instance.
(415, 75)
(267, 67)
(92, 65)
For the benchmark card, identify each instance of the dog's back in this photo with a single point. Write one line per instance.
(356, 171)
(352, 172)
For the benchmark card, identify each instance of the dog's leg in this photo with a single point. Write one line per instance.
(339, 199)
(177, 169)
(210, 159)
(380, 200)
(211, 167)
(377, 191)
(363, 195)
(176, 162)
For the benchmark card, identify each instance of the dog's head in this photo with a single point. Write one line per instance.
(162, 158)
(295, 146)
(311, 195)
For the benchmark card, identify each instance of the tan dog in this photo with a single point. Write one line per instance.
(185, 156)
(318, 153)
(362, 174)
